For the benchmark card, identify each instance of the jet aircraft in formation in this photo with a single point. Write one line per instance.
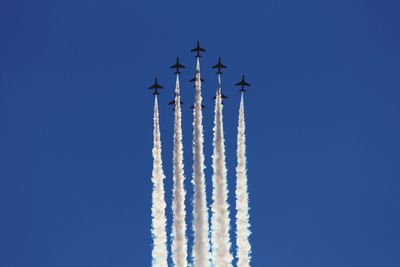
(173, 101)
(194, 79)
(243, 84)
(219, 66)
(155, 87)
(222, 96)
(192, 106)
(198, 49)
(177, 66)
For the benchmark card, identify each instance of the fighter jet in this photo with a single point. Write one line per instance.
(243, 84)
(219, 66)
(202, 106)
(177, 66)
(173, 102)
(194, 79)
(198, 49)
(222, 96)
(155, 87)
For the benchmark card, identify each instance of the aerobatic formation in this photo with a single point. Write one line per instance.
(211, 244)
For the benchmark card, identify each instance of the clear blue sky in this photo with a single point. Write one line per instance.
(322, 123)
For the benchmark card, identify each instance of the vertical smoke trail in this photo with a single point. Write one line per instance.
(159, 253)
(220, 239)
(242, 197)
(179, 242)
(201, 246)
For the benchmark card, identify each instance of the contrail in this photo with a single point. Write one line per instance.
(159, 253)
(201, 245)
(179, 241)
(242, 198)
(220, 239)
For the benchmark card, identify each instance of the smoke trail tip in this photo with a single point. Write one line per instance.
(198, 65)
(177, 86)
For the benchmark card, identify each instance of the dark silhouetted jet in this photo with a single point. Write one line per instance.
(155, 87)
(243, 84)
(194, 79)
(192, 106)
(222, 96)
(177, 66)
(219, 66)
(173, 102)
(198, 49)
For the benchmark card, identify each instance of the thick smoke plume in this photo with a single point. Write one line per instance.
(159, 252)
(242, 196)
(179, 241)
(220, 239)
(201, 245)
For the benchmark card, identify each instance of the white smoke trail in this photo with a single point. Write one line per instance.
(159, 252)
(242, 198)
(201, 245)
(179, 241)
(220, 239)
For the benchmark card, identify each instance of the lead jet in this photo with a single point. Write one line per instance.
(243, 84)
(198, 49)
(155, 87)
(219, 66)
(177, 66)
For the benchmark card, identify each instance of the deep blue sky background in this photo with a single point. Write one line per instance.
(322, 123)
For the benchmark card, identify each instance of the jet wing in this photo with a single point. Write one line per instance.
(239, 83)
